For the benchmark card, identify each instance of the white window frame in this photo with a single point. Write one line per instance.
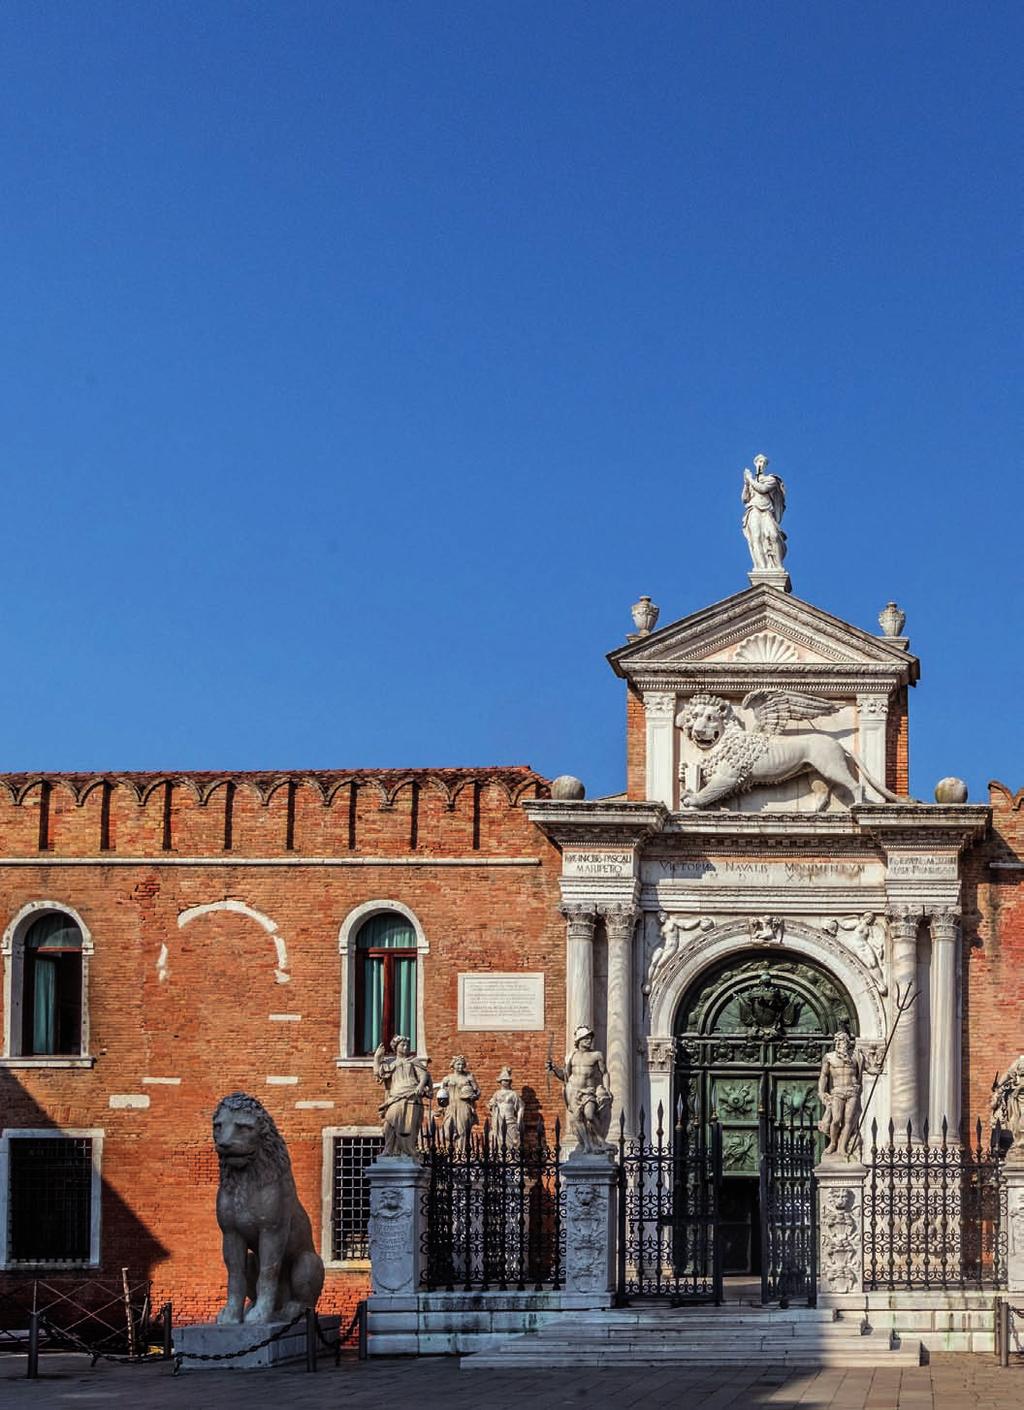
(347, 949)
(15, 1133)
(330, 1133)
(12, 951)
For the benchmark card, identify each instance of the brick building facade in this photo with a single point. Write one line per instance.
(224, 930)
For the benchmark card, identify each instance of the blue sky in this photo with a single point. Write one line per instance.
(362, 363)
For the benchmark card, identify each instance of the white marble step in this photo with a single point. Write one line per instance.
(800, 1336)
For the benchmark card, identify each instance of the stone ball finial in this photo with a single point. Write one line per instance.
(951, 790)
(567, 789)
(645, 616)
(892, 619)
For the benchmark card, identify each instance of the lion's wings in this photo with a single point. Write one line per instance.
(775, 709)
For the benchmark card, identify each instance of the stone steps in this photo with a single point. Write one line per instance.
(700, 1337)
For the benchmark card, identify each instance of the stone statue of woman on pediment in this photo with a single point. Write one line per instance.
(764, 500)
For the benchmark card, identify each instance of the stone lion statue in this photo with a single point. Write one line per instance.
(267, 1237)
(739, 759)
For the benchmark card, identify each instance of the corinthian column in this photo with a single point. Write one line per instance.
(620, 923)
(903, 1074)
(944, 1066)
(579, 968)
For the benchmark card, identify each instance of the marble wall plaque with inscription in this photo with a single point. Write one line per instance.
(491, 1002)
(916, 867)
(737, 871)
(597, 861)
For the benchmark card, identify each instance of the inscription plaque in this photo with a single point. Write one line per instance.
(590, 861)
(491, 1002)
(904, 867)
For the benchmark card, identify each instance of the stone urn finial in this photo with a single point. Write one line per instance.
(892, 619)
(645, 615)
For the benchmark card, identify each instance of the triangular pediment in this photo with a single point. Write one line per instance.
(763, 629)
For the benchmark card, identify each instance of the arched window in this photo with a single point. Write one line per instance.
(51, 1007)
(385, 963)
(46, 950)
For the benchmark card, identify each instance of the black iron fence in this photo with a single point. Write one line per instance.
(789, 1209)
(932, 1211)
(493, 1212)
(668, 1187)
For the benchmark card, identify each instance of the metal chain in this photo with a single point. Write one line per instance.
(341, 1338)
(181, 1356)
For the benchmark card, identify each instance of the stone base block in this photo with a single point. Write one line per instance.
(209, 1339)
(436, 1324)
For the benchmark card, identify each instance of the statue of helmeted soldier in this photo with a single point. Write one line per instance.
(588, 1099)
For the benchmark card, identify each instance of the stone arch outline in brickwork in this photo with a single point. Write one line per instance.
(281, 972)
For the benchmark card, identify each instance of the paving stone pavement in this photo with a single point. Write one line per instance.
(436, 1383)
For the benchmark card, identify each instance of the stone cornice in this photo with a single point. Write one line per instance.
(738, 677)
(612, 823)
(923, 826)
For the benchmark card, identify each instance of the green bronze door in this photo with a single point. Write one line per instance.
(752, 1030)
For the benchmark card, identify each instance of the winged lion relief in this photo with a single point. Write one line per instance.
(737, 758)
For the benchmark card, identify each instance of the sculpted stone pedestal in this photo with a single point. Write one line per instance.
(1013, 1174)
(590, 1223)
(840, 1225)
(396, 1225)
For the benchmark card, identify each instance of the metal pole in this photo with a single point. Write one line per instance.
(310, 1339)
(1004, 1333)
(32, 1369)
(168, 1332)
(362, 1321)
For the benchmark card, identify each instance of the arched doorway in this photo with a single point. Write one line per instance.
(750, 1034)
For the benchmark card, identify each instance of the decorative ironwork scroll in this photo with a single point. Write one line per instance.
(932, 1212)
(668, 1185)
(494, 1212)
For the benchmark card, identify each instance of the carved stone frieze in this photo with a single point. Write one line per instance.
(865, 936)
(766, 930)
(674, 930)
(661, 1054)
(841, 1246)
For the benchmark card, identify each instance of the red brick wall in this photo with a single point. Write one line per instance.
(207, 1022)
(897, 744)
(636, 747)
(994, 950)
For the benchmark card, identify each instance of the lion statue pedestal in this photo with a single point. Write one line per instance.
(274, 1272)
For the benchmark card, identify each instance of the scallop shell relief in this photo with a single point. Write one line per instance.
(766, 648)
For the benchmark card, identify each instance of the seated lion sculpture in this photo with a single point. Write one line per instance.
(267, 1237)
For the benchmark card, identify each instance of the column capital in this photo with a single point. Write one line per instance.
(873, 705)
(945, 924)
(620, 920)
(660, 704)
(580, 919)
(904, 921)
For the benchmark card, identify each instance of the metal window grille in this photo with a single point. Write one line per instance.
(350, 1207)
(50, 1204)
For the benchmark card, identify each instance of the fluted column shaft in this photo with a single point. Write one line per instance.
(579, 969)
(620, 924)
(904, 1087)
(944, 1053)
